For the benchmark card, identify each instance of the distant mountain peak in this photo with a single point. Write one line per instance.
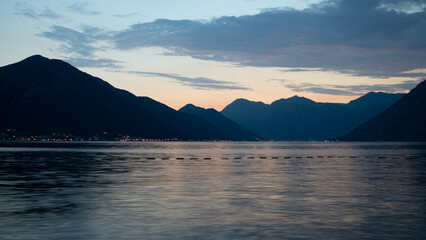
(36, 57)
(295, 99)
(222, 123)
(370, 94)
(241, 100)
(40, 63)
(190, 106)
(375, 98)
(375, 93)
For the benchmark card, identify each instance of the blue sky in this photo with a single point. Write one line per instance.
(211, 52)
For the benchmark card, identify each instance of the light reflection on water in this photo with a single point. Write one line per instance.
(198, 190)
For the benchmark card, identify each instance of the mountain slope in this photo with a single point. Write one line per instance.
(193, 126)
(43, 96)
(226, 126)
(248, 114)
(405, 120)
(299, 118)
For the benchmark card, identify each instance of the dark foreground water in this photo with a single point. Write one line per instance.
(212, 190)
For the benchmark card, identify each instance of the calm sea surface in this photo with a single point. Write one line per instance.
(206, 190)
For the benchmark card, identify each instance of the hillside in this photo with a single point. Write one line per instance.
(43, 96)
(405, 120)
(226, 126)
(299, 118)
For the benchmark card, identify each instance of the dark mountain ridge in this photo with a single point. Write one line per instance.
(299, 118)
(43, 96)
(226, 126)
(405, 120)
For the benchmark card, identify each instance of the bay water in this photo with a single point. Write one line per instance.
(212, 190)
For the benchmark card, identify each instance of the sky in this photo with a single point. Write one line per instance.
(210, 53)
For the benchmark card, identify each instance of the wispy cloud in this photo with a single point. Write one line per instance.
(128, 15)
(352, 89)
(29, 11)
(198, 83)
(359, 37)
(82, 8)
(82, 43)
(407, 6)
(94, 62)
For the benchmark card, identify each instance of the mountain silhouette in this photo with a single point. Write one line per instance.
(299, 118)
(405, 120)
(43, 96)
(226, 126)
